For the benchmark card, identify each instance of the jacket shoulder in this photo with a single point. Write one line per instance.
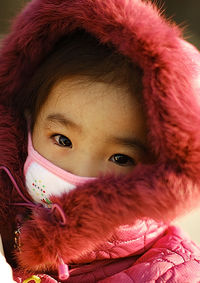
(173, 258)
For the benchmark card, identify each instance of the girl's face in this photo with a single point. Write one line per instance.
(91, 128)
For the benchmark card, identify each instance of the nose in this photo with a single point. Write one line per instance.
(85, 166)
(85, 170)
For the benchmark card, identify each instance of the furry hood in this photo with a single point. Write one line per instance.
(171, 75)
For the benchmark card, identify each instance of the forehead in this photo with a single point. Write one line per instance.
(96, 104)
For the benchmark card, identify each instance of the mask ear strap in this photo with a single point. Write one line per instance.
(55, 208)
(4, 168)
(63, 270)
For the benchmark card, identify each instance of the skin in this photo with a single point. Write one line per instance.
(91, 128)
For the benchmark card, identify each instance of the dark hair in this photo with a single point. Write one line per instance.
(79, 53)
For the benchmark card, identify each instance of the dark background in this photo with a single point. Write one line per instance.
(184, 12)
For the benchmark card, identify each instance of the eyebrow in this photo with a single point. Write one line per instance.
(133, 143)
(61, 119)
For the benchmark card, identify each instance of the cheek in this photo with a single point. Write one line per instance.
(36, 138)
(110, 167)
(40, 142)
(37, 133)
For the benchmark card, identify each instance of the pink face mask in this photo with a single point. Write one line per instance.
(44, 179)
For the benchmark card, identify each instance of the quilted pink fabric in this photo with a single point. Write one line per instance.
(168, 260)
(148, 252)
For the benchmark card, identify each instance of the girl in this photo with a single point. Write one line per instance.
(100, 144)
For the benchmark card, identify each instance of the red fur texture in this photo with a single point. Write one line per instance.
(161, 191)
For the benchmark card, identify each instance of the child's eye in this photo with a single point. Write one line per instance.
(122, 159)
(62, 140)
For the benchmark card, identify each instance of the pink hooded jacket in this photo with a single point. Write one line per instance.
(118, 228)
